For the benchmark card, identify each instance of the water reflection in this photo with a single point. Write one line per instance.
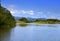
(47, 25)
(23, 25)
(5, 33)
(52, 26)
(31, 32)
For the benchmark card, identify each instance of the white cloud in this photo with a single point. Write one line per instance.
(23, 11)
(30, 12)
(13, 10)
(11, 7)
(52, 17)
(41, 12)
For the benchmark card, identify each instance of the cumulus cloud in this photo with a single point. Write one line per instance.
(30, 12)
(15, 11)
(52, 17)
(41, 12)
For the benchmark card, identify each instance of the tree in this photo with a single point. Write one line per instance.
(23, 19)
(6, 18)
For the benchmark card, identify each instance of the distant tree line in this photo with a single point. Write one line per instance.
(48, 21)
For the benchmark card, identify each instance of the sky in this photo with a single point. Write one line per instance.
(33, 8)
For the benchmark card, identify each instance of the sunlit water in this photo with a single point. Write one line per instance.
(32, 32)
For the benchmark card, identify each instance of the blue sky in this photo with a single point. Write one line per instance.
(33, 8)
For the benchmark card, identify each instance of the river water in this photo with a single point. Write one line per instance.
(31, 32)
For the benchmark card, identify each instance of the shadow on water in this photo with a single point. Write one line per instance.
(23, 25)
(38, 25)
(5, 33)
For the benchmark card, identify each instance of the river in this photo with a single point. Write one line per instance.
(31, 32)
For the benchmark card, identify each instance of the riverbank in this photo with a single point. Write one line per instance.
(39, 22)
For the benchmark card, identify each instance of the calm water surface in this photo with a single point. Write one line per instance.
(32, 32)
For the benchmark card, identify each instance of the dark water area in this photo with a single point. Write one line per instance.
(31, 32)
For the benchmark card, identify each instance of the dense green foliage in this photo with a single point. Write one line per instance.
(23, 19)
(46, 21)
(6, 18)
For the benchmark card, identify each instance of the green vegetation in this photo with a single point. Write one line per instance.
(46, 21)
(6, 19)
(23, 19)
